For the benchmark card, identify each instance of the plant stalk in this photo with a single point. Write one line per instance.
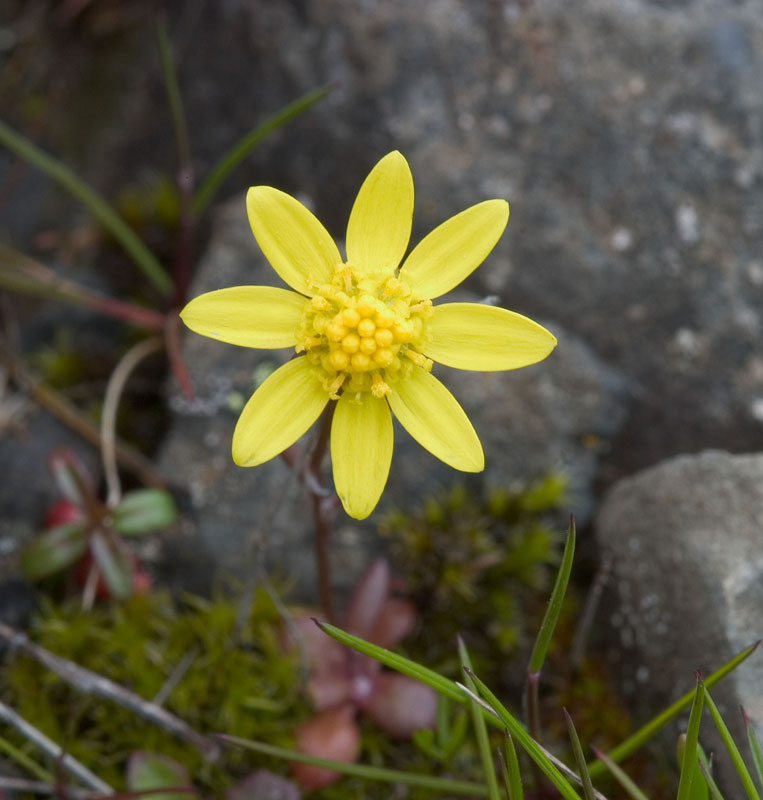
(322, 507)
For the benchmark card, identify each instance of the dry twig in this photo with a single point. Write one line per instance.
(50, 748)
(88, 682)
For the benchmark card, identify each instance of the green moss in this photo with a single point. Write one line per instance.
(478, 566)
(247, 688)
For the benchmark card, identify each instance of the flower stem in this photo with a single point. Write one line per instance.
(322, 506)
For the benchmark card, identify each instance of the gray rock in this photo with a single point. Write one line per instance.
(555, 415)
(684, 539)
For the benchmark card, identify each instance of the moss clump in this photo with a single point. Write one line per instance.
(480, 566)
(245, 685)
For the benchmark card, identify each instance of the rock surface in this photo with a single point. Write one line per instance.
(625, 133)
(553, 416)
(684, 539)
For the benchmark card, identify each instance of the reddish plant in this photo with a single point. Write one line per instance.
(83, 533)
(344, 683)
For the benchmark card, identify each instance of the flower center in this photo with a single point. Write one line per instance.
(363, 332)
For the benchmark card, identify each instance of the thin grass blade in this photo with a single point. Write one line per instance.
(733, 750)
(546, 632)
(528, 744)
(712, 786)
(480, 728)
(690, 754)
(464, 788)
(95, 204)
(243, 146)
(25, 762)
(646, 732)
(699, 788)
(619, 774)
(511, 762)
(757, 754)
(396, 662)
(577, 751)
(174, 98)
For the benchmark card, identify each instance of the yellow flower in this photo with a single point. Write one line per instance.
(366, 331)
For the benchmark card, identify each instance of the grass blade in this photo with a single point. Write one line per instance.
(757, 754)
(733, 750)
(577, 750)
(690, 757)
(645, 733)
(464, 788)
(25, 762)
(243, 146)
(546, 632)
(174, 98)
(480, 728)
(543, 640)
(96, 205)
(712, 786)
(396, 662)
(619, 774)
(511, 766)
(529, 745)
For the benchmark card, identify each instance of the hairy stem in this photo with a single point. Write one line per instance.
(322, 506)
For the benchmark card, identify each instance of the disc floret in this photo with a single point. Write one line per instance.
(363, 332)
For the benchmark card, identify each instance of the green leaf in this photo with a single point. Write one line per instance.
(645, 733)
(143, 511)
(733, 750)
(71, 478)
(757, 754)
(704, 768)
(546, 632)
(512, 775)
(114, 564)
(577, 751)
(25, 762)
(174, 98)
(96, 205)
(396, 662)
(619, 775)
(528, 744)
(551, 616)
(700, 788)
(247, 143)
(54, 550)
(480, 728)
(147, 771)
(690, 756)
(453, 787)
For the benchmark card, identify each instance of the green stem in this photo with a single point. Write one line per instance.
(97, 206)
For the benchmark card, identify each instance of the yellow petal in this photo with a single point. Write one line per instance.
(453, 250)
(278, 413)
(380, 221)
(485, 338)
(295, 243)
(250, 316)
(430, 413)
(361, 451)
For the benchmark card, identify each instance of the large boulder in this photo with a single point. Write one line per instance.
(684, 541)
